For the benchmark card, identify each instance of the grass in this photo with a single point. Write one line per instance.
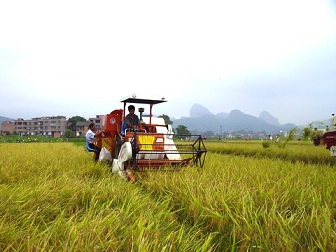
(295, 151)
(54, 198)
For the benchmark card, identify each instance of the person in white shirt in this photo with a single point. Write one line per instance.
(90, 137)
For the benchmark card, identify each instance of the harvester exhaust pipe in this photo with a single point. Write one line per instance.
(141, 110)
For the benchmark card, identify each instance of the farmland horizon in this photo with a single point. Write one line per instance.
(201, 120)
(205, 111)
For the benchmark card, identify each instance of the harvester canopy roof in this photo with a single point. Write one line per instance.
(142, 101)
(151, 102)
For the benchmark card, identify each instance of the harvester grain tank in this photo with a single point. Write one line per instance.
(329, 137)
(153, 146)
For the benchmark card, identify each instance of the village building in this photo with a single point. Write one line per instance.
(53, 126)
(7, 128)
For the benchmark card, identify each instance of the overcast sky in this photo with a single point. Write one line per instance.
(82, 57)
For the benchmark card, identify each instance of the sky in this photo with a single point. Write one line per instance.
(82, 57)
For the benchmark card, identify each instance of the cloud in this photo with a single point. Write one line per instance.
(83, 57)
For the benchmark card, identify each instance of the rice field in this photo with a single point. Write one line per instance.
(53, 197)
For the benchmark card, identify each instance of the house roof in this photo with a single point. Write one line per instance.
(78, 124)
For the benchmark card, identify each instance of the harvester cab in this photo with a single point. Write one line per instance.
(153, 146)
(329, 137)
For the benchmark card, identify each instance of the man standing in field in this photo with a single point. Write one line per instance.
(316, 137)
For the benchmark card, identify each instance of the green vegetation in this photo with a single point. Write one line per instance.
(182, 130)
(266, 144)
(72, 121)
(38, 139)
(166, 119)
(54, 198)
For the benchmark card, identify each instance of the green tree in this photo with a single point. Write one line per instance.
(73, 120)
(69, 133)
(290, 137)
(208, 133)
(307, 133)
(182, 130)
(166, 119)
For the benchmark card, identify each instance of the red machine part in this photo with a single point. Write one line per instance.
(113, 121)
(111, 128)
(330, 139)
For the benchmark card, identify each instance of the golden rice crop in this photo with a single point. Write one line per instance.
(53, 197)
(294, 151)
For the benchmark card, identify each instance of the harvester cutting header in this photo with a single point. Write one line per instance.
(151, 144)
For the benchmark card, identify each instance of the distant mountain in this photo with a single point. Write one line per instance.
(2, 119)
(237, 120)
(201, 120)
(267, 117)
(222, 115)
(198, 110)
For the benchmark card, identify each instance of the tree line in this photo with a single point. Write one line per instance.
(72, 122)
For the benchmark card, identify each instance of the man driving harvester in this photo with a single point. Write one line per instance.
(132, 121)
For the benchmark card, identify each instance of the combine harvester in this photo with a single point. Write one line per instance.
(330, 137)
(152, 147)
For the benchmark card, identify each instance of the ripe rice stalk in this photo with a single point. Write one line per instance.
(53, 197)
